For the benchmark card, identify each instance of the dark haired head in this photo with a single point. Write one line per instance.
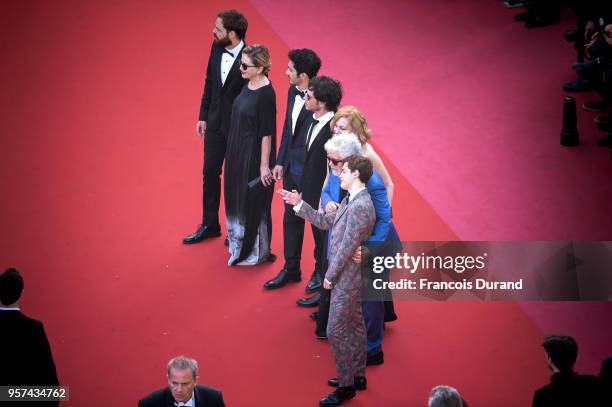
(233, 20)
(11, 286)
(326, 90)
(562, 351)
(361, 164)
(305, 61)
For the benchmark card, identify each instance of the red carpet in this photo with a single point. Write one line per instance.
(101, 179)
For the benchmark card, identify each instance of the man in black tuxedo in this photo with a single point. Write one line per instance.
(566, 387)
(24, 349)
(321, 100)
(303, 65)
(223, 83)
(183, 389)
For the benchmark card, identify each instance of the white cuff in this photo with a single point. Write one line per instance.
(297, 207)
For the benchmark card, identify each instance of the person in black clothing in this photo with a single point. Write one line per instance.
(24, 349)
(183, 388)
(303, 66)
(251, 153)
(222, 85)
(566, 387)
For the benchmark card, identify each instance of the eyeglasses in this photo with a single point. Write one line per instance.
(244, 66)
(334, 162)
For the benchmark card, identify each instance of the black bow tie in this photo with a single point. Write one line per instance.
(231, 53)
(300, 93)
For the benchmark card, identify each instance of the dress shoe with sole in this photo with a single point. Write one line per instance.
(321, 335)
(315, 282)
(579, 85)
(284, 276)
(338, 396)
(376, 359)
(308, 302)
(360, 382)
(203, 232)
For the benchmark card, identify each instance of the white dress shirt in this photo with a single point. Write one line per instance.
(227, 60)
(297, 108)
(323, 121)
(188, 403)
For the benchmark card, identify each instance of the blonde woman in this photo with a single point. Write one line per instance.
(349, 119)
(250, 154)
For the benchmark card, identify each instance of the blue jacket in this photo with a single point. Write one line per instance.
(384, 231)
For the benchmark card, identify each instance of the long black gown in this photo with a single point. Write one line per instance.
(248, 210)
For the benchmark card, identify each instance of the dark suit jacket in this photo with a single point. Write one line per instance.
(25, 353)
(292, 153)
(315, 166)
(204, 397)
(567, 389)
(217, 100)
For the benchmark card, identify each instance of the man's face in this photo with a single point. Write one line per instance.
(220, 34)
(292, 73)
(335, 162)
(181, 383)
(311, 104)
(347, 178)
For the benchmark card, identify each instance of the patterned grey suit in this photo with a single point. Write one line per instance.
(351, 224)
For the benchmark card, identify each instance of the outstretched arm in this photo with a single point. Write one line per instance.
(320, 219)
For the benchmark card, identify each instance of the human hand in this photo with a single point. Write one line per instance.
(266, 175)
(200, 128)
(290, 198)
(331, 207)
(327, 284)
(277, 172)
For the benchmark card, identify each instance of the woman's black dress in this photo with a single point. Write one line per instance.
(248, 210)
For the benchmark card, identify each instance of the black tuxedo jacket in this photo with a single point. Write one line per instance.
(292, 153)
(568, 389)
(25, 353)
(217, 100)
(315, 167)
(204, 397)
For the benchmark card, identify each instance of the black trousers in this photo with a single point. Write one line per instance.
(293, 234)
(214, 154)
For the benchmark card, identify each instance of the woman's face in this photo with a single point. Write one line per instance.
(342, 126)
(248, 70)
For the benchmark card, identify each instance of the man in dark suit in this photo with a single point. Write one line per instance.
(566, 387)
(183, 389)
(321, 101)
(24, 349)
(222, 85)
(303, 65)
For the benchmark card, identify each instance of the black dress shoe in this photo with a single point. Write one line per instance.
(203, 232)
(315, 282)
(376, 359)
(521, 17)
(579, 85)
(284, 276)
(338, 396)
(314, 315)
(322, 335)
(360, 382)
(309, 301)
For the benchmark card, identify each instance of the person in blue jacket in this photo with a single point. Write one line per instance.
(384, 239)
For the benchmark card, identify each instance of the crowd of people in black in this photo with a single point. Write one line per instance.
(592, 39)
